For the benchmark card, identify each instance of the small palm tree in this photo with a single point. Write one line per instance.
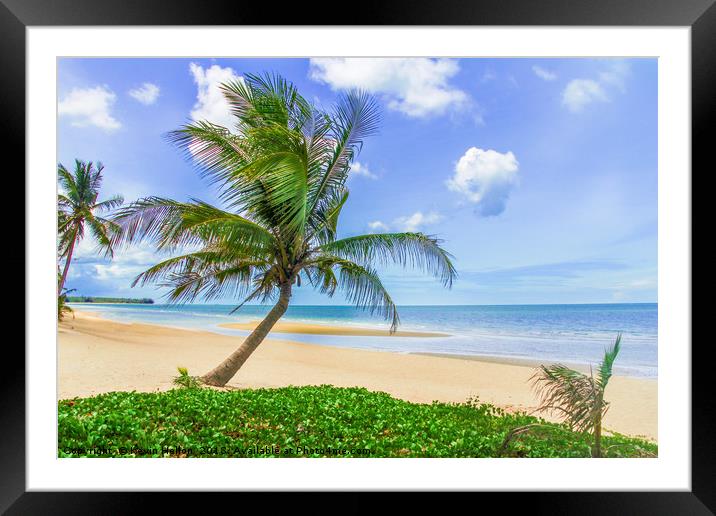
(62, 307)
(78, 206)
(282, 172)
(578, 397)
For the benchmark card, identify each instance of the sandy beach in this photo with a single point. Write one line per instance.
(325, 329)
(97, 355)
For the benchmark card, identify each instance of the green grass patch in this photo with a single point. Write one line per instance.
(323, 421)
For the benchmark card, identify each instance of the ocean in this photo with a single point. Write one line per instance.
(572, 334)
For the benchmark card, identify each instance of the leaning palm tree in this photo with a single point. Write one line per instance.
(282, 174)
(578, 397)
(78, 207)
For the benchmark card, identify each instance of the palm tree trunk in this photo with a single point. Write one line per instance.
(597, 450)
(228, 368)
(67, 263)
(597, 445)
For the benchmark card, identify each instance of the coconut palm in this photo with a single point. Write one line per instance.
(578, 397)
(78, 207)
(281, 172)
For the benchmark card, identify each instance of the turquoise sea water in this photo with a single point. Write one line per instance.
(568, 333)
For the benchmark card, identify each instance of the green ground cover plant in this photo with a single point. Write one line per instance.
(314, 421)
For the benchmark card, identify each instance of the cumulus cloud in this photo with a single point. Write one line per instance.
(117, 272)
(616, 74)
(416, 87)
(147, 93)
(543, 73)
(210, 103)
(410, 223)
(417, 221)
(378, 226)
(361, 169)
(90, 106)
(485, 178)
(580, 92)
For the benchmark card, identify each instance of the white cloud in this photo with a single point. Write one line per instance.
(580, 92)
(410, 223)
(416, 87)
(360, 169)
(90, 106)
(147, 93)
(485, 178)
(417, 221)
(124, 266)
(378, 226)
(91, 273)
(488, 76)
(210, 104)
(634, 288)
(616, 74)
(543, 73)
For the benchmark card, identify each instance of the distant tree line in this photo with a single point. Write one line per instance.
(90, 299)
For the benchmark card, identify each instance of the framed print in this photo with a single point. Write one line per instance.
(426, 249)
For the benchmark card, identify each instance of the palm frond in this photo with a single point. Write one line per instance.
(413, 249)
(103, 231)
(355, 117)
(605, 368)
(569, 392)
(67, 182)
(325, 220)
(207, 280)
(213, 149)
(109, 204)
(171, 224)
(262, 173)
(360, 285)
(266, 98)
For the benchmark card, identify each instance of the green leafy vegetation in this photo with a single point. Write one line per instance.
(185, 380)
(316, 421)
(62, 308)
(92, 299)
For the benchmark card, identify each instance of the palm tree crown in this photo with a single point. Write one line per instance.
(282, 172)
(78, 206)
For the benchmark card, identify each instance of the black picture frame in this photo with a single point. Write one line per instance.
(17, 15)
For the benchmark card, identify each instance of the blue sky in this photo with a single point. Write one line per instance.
(539, 174)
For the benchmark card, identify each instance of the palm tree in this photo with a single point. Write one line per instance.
(577, 396)
(281, 172)
(78, 206)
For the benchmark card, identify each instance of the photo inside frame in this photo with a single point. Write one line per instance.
(357, 257)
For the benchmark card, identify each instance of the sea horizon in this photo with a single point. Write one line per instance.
(333, 304)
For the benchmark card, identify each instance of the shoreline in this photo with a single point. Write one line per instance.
(524, 362)
(303, 328)
(98, 355)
